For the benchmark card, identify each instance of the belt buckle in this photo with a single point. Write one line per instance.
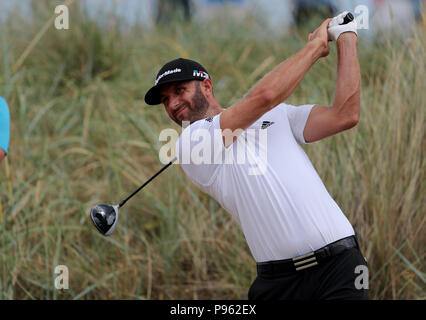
(299, 262)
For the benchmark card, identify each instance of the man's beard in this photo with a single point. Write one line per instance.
(199, 107)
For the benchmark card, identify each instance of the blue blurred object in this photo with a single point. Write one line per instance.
(417, 10)
(4, 125)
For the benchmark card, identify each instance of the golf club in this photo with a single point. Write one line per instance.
(105, 216)
(348, 18)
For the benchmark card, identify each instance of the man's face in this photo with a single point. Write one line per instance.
(184, 101)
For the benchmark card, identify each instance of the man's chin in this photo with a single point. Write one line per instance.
(182, 122)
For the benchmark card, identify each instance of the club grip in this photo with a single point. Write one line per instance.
(348, 18)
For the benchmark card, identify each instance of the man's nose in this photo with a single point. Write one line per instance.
(174, 102)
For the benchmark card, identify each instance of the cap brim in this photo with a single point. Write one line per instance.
(153, 97)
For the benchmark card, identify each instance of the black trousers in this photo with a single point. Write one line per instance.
(333, 279)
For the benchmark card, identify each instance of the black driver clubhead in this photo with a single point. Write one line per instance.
(104, 217)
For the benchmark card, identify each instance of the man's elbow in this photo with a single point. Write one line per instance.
(264, 98)
(269, 96)
(350, 109)
(351, 120)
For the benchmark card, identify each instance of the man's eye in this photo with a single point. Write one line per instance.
(179, 89)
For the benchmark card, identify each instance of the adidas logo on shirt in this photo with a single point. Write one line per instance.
(266, 124)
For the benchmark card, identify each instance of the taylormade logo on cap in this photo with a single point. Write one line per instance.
(177, 70)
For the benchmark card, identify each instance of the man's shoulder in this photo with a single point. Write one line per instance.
(200, 124)
(275, 114)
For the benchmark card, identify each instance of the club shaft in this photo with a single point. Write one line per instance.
(150, 179)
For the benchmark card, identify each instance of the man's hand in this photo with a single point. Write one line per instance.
(336, 28)
(320, 37)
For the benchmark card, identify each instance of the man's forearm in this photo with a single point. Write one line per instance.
(281, 82)
(348, 86)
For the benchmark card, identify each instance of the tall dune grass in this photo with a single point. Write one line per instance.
(81, 134)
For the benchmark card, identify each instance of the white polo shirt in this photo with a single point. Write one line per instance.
(266, 182)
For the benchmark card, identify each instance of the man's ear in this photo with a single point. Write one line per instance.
(207, 87)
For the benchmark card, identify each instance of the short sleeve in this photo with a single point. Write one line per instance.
(297, 117)
(4, 125)
(200, 150)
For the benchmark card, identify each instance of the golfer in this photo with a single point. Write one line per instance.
(4, 128)
(304, 245)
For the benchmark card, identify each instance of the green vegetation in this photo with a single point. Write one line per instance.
(81, 134)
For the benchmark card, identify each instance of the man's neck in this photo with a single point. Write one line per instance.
(213, 110)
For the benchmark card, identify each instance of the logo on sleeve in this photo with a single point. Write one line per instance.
(266, 124)
(210, 119)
